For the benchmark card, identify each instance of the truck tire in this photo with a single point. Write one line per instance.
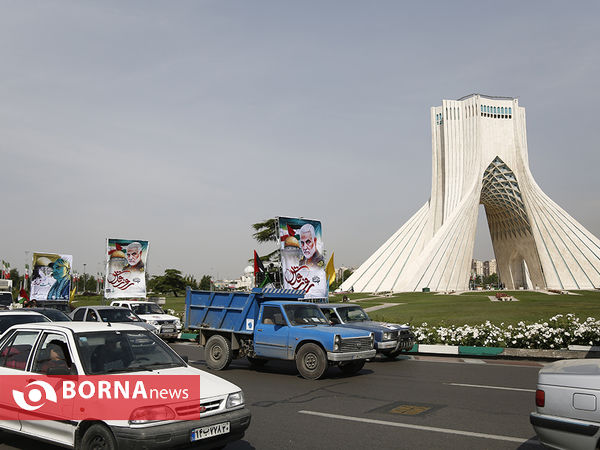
(257, 362)
(217, 352)
(311, 361)
(352, 367)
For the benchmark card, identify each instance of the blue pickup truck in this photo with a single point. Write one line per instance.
(390, 338)
(273, 324)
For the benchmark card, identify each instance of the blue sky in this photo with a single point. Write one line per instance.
(182, 123)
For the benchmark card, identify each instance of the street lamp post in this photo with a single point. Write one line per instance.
(84, 277)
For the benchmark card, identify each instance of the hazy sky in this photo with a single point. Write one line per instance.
(185, 122)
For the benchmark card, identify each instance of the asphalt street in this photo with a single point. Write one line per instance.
(424, 403)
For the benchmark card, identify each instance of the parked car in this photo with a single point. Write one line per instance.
(6, 300)
(85, 348)
(390, 338)
(150, 312)
(53, 314)
(14, 317)
(103, 313)
(566, 415)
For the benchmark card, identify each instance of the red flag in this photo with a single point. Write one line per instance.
(258, 265)
(23, 293)
(291, 231)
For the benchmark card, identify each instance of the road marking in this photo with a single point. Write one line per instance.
(491, 387)
(417, 427)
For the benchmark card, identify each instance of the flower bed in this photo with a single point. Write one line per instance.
(558, 332)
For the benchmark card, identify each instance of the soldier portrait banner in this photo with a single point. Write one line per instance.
(51, 276)
(125, 268)
(302, 256)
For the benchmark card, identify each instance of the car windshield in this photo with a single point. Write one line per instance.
(5, 298)
(53, 314)
(305, 315)
(8, 320)
(353, 314)
(146, 308)
(124, 351)
(117, 315)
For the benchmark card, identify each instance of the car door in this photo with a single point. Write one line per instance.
(61, 428)
(15, 351)
(272, 334)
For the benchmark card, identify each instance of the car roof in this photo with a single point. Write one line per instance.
(336, 305)
(286, 302)
(133, 301)
(80, 327)
(12, 312)
(104, 307)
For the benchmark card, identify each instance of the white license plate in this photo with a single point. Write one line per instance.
(168, 330)
(210, 431)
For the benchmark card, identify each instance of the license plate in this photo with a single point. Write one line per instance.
(210, 431)
(168, 330)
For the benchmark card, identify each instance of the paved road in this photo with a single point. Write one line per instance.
(424, 403)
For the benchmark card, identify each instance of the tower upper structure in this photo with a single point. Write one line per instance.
(479, 156)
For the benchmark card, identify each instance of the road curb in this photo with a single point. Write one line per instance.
(505, 352)
(574, 351)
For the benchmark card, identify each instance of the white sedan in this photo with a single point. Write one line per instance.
(91, 350)
(567, 412)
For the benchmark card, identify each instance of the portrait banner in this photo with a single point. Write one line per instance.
(302, 256)
(125, 268)
(51, 276)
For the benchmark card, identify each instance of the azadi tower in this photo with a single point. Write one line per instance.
(479, 146)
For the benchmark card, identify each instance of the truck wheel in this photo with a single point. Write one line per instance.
(257, 362)
(352, 367)
(98, 437)
(311, 361)
(217, 352)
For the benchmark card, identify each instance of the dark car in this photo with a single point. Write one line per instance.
(10, 318)
(53, 314)
(101, 313)
(390, 338)
(6, 300)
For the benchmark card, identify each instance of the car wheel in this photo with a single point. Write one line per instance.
(352, 367)
(257, 362)
(311, 361)
(217, 352)
(98, 437)
(393, 353)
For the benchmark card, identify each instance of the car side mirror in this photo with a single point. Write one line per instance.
(278, 320)
(334, 321)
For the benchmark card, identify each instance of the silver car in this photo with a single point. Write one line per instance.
(110, 314)
(567, 412)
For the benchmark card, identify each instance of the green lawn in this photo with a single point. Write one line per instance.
(476, 308)
(470, 308)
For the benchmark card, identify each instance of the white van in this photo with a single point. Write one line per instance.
(169, 326)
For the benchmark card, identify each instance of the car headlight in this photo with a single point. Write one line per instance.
(387, 336)
(152, 322)
(234, 400)
(337, 340)
(372, 339)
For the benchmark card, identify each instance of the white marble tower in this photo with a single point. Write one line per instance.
(479, 146)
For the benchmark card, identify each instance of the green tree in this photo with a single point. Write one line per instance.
(171, 281)
(190, 281)
(205, 283)
(266, 231)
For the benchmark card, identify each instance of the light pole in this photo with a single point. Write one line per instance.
(84, 277)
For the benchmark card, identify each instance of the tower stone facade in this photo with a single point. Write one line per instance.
(479, 156)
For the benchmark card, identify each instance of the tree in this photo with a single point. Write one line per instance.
(191, 281)
(205, 283)
(171, 281)
(266, 231)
